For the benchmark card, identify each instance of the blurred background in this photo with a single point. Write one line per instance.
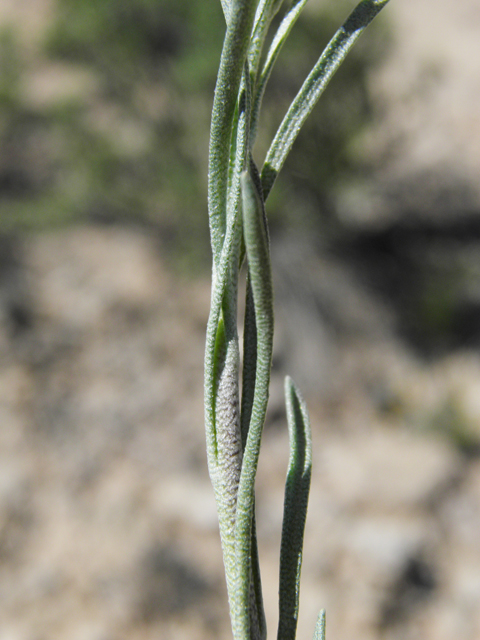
(108, 528)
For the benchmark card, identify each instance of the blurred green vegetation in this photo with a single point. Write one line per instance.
(129, 142)
(451, 420)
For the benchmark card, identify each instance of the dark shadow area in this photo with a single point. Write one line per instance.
(15, 306)
(428, 271)
(413, 587)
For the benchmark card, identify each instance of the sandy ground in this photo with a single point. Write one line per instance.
(108, 528)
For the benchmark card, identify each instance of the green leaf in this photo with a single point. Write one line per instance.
(239, 155)
(248, 391)
(249, 362)
(297, 488)
(226, 9)
(258, 624)
(266, 11)
(258, 254)
(313, 87)
(320, 626)
(222, 423)
(239, 26)
(223, 306)
(226, 471)
(275, 48)
(221, 313)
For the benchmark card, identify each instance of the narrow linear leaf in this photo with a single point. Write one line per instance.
(239, 26)
(233, 146)
(226, 473)
(258, 624)
(258, 628)
(249, 362)
(320, 626)
(219, 303)
(314, 85)
(297, 488)
(222, 415)
(248, 390)
(264, 15)
(225, 274)
(223, 434)
(239, 154)
(226, 9)
(275, 48)
(258, 254)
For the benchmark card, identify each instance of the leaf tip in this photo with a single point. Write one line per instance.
(320, 626)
